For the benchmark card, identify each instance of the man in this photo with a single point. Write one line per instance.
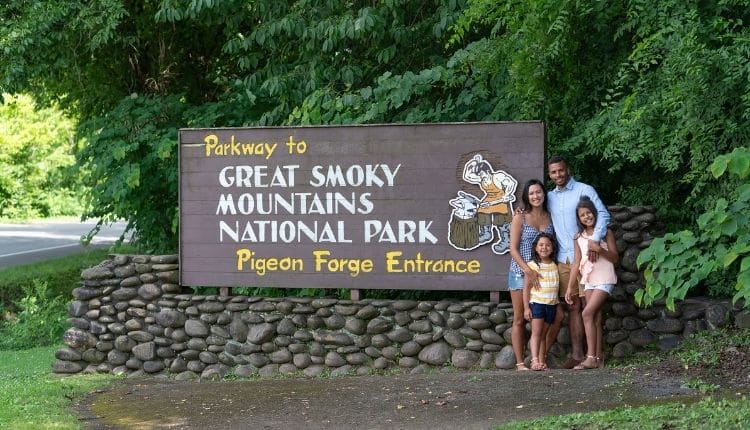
(562, 201)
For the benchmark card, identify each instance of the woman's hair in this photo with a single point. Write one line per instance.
(586, 202)
(525, 194)
(535, 255)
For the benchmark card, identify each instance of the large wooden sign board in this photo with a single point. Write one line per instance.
(418, 206)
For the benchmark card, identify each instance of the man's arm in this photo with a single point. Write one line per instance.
(602, 218)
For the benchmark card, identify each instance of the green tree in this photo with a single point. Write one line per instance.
(135, 73)
(37, 175)
(681, 98)
(647, 92)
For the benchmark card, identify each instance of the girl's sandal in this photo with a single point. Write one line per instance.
(521, 367)
(585, 364)
(535, 364)
(599, 362)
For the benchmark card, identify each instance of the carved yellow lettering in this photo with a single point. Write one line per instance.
(391, 264)
(395, 264)
(210, 143)
(243, 255)
(354, 266)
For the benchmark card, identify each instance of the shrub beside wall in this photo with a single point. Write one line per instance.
(129, 317)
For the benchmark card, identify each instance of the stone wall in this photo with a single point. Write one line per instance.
(130, 316)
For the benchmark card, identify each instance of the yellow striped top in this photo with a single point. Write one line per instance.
(549, 282)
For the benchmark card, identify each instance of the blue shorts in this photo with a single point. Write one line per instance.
(544, 312)
(515, 281)
(607, 288)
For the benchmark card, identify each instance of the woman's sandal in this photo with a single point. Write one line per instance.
(521, 367)
(585, 364)
(535, 364)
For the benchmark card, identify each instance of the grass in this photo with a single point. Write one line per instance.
(732, 411)
(704, 349)
(708, 413)
(34, 297)
(31, 397)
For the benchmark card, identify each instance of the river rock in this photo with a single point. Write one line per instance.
(464, 359)
(436, 354)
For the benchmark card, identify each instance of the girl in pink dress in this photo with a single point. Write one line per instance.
(598, 278)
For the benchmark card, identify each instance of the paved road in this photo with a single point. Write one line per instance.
(26, 243)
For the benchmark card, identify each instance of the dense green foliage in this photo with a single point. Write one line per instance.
(37, 175)
(640, 95)
(679, 261)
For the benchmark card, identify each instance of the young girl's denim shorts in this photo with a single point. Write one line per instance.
(543, 312)
(607, 288)
(515, 281)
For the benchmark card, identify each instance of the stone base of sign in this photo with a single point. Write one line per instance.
(130, 316)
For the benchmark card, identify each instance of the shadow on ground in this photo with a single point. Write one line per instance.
(436, 400)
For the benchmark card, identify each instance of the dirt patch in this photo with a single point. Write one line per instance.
(469, 400)
(442, 399)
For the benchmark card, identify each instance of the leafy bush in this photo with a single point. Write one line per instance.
(41, 320)
(33, 297)
(719, 284)
(680, 261)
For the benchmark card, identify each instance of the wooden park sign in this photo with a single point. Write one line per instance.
(416, 206)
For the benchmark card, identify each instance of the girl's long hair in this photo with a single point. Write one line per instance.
(585, 202)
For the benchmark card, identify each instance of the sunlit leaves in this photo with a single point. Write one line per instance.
(36, 174)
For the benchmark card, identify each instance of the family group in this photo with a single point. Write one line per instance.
(563, 257)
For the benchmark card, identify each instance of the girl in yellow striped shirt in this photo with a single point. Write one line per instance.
(541, 300)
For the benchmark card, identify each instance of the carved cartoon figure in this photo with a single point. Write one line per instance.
(493, 211)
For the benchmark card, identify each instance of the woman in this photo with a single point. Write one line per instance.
(527, 224)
